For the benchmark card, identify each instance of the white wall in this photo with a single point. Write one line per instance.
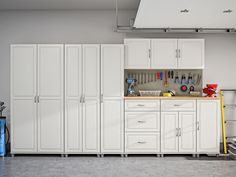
(97, 27)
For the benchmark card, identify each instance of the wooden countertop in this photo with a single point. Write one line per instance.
(169, 98)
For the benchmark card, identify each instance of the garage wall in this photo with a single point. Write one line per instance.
(96, 27)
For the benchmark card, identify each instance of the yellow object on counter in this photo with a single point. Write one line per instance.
(167, 94)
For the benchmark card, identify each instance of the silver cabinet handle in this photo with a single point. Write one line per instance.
(38, 99)
(35, 99)
(141, 121)
(140, 105)
(81, 99)
(177, 132)
(149, 53)
(84, 99)
(141, 142)
(101, 98)
(198, 126)
(177, 55)
(177, 105)
(180, 133)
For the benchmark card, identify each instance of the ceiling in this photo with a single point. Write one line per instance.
(67, 4)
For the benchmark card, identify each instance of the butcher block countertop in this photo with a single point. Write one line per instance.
(169, 98)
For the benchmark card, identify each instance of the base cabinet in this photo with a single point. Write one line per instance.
(208, 127)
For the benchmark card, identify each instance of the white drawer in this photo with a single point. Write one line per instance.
(142, 143)
(178, 105)
(142, 105)
(142, 121)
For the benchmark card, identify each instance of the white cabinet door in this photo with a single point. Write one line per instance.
(23, 92)
(112, 129)
(208, 130)
(91, 106)
(187, 132)
(112, 75)
(191, 53)
(112, 86)
(164, 54)
(137, 53)
(73, 93)
(50, 91)
(169, 132)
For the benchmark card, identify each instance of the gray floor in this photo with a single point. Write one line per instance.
(110, 166)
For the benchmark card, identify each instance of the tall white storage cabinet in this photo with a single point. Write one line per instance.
(23, 103)
(50, 98)
(82, 97)
(91, 98)
(112, 90)
(73, 99)
(37, 98)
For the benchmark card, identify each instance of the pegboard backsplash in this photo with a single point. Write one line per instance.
(151, 80)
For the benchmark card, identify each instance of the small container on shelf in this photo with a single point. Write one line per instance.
(150, 92)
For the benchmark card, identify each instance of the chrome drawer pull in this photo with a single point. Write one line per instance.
(177, 132)
(177, 105)
(141, 121)
(140, 105)
(141, 142)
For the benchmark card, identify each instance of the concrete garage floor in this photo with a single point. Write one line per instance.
(112, 166)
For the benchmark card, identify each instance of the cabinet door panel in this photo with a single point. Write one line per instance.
(187, 138)
(50, 90)
(91, 62)
(164, 54)
(137, 53)
(73, 126)
(50, 126)
(73, 93)
(23, 70)
(191, 54)
(50, 59)
(23, 126)
(112, 126)
(208, 130)
(112, 66)
(91, 126)
(23, 92)
(169, 136)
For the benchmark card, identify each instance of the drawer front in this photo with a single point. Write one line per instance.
(142, 143)
(178, 105)
(142, 105)
(142, 121)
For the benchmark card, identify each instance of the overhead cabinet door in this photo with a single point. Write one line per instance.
(91, 106)
(137, 53)
(164, 54)
(191, 53)
(50, 102)
(73, 95)
(112, 79)
(23, 104)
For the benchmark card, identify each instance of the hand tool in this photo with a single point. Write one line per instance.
(172, 74)
(183, 79)
(176, 78)
(161, 76)
(166, 79)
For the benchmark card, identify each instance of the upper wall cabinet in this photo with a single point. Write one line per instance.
(137, 53)
(164, 53)
(191, 53)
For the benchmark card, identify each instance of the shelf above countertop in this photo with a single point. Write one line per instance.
(169, 98)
